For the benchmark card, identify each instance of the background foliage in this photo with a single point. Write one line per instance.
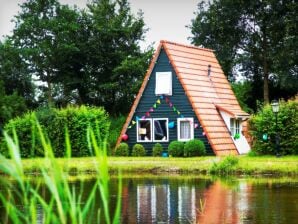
(55, 123)
(287, 126)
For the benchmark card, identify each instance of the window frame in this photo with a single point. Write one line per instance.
(158, 83)
(234, 126)
(191, 120)
(167, 128)
(138, 127)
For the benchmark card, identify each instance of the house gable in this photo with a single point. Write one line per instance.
(172, 107)
(203, 90)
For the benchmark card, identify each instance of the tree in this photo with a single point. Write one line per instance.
(14, 74)
(252, 37)
(89, 56)
(47, 35)
(116, 63)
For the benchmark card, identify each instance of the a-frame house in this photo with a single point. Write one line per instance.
(185, 95)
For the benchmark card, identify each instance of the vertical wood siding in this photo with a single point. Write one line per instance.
(179, 100)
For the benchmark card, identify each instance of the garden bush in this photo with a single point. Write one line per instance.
(263, 124)
(114, 132)
(138, 150)
(194, 147)
(122, 149)
(54, 123)
(176, 149)
(157, 149)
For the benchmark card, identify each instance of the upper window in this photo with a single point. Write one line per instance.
(234, 126)
(163, 85)
(144, 130)
(161, 130)
(185, 129)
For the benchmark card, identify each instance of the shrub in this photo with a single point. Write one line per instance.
(157, 149)
(138, 150)
(122, 149)
(54, 123)
(176, 148)
(194, 147)
(226, 166)
(263, 123)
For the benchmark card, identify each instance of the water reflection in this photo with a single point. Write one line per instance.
(196, 200)
(206, 201)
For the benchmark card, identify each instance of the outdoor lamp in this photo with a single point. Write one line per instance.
(275, 106)
(275, 109)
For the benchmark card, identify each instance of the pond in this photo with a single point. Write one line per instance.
(190, 199)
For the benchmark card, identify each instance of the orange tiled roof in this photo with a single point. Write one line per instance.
(207, 94)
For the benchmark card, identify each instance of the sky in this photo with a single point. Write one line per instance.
(166, 19)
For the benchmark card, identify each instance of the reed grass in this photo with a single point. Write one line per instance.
(65, 204)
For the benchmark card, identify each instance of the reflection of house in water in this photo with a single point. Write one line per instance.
(224, 205)
(184, 203)
(153, 203)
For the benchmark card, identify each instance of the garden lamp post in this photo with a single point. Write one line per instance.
(275, 109)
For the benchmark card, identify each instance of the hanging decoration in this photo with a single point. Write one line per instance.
(236, 136)
(124, 137)
(171, 124)
(155, 106)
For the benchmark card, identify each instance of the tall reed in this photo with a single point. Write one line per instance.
(65, 204)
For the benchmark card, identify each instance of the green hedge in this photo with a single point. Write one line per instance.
(194, 147)
(157, 149)
(176, 149)
(138, 150)
(122, 149)
(54, 123)
(262, 125)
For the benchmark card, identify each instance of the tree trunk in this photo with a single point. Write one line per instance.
(49, 93)
(266, 81)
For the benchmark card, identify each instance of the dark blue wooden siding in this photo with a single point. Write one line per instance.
(179, 100)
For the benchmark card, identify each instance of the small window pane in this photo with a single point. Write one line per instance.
(144, 130)
(185, 130)
(163, 83)
(160, 130)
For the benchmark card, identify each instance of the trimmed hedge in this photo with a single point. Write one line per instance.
(157, 149)
(54, 123)
(262, 125)
(176, 149)
(122, 149)
(194, 147)
(138, 150)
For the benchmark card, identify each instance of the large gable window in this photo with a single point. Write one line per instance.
(144, 130)
(163, 85)
(161, 130)
(185, 129)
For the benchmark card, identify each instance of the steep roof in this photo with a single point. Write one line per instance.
(207, 93)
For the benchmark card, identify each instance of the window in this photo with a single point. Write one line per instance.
(234, 126)
(161, 130)
(185, 129)
(144, 130)
(163, 83)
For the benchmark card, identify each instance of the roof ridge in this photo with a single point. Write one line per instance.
(185, 45)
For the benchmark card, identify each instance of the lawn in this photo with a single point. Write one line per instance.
(263, 165)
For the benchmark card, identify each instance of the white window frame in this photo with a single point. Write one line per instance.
(234, 126)
(160, 81)
(138, 127)
(190, 119)
(167, 127)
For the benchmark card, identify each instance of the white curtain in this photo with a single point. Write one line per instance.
(185, 130)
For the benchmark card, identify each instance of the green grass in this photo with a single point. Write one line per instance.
(287, 165)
